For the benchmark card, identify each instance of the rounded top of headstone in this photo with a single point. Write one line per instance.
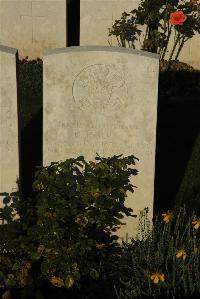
(101, 48)
(8, 49)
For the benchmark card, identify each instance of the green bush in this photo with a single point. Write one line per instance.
(63, 243)
(65, 234)
(164, 262)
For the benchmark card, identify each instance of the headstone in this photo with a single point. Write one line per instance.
(9, 153)
(103, 100)
(96, 16)
(33, 25)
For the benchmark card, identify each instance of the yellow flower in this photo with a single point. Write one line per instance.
(57, 281)
(196, 223)
(167, 216)
(81, 220)
(157, 277)
(40, 249)
(25, 279)
(38, 187)
(50, 215)
(95, 194)
(100, 246)
(181, 254)
(25, 265)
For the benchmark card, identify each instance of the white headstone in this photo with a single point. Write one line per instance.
(96, 16)
(9, 157)
(33, 25)
(103, 100)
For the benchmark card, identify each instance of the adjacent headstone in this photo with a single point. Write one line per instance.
(96, 16)
(33, 25)
(9, 153)
(103, 100)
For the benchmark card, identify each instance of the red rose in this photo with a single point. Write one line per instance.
(177, 18)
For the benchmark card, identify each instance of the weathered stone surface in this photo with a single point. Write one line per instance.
(103, 100)
(96, 16)
(33, 25)
(9, 157)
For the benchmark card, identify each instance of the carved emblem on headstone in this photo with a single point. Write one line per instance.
(101, 86)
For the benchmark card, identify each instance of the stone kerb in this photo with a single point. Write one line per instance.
(103, 100)
(9, 152)
(33, 25)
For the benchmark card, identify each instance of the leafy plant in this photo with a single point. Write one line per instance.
(161, 19)
(163, 262)
(79, 207)
(63, 235)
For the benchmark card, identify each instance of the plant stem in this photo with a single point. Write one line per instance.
(146, 34)
(173, 50)
(180, 47)
(119, 44)
(164, 31)
(168, 37)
